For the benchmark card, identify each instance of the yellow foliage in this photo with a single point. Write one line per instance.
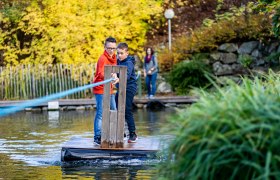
(73, 31)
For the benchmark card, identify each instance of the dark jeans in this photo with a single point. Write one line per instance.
(151, 84)
(129, 118)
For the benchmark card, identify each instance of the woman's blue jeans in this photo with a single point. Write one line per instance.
(151, 84)
(98, 115)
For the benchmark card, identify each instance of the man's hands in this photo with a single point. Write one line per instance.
(114, 75)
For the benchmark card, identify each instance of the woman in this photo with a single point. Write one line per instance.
(150, 72)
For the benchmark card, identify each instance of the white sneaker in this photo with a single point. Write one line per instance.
(151, 97)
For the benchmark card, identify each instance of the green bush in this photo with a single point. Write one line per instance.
(230, 134)
(188, 74)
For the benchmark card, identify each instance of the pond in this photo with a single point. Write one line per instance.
(30, 144)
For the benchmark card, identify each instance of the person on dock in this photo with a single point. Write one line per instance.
(107, 58)
(150, 72)
(124, 59)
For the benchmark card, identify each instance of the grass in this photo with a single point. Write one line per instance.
(230, 134)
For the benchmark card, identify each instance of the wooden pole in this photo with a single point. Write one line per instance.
(113, 121)
(121, 105)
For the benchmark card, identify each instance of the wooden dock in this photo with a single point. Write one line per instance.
(85, 149)
(85, 102)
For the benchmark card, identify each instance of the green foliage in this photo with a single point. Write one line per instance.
(276, 22)
(189, 74)
(12, 13)
(272, 7)
(245, 60)
(273, 58)
(74, 31)
(230, 134)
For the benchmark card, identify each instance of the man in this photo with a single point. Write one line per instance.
(131, 88)
(107, 58)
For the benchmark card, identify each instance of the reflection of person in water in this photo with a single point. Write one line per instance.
(152, 123)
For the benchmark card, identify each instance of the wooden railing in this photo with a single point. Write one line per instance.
(33, 81)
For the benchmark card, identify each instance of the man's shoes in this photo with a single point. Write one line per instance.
(97, 140)
(151, 97)
(132, 137)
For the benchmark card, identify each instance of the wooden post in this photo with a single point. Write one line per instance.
(113, 121)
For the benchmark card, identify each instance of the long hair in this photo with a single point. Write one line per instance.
(147, 57)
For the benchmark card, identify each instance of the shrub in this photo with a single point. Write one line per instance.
(230, 134)
(242, 26)
(188, 74)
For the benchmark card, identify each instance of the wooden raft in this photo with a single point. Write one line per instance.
(85, 149)
(112, 139)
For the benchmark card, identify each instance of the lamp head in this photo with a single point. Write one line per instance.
(169, 13)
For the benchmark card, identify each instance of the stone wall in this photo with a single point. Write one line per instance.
(233, 59)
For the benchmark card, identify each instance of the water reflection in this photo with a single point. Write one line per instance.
(30, 144)
(110, 172)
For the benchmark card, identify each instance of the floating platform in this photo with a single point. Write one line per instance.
(85, 149)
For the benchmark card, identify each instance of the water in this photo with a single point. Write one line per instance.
(30, 144)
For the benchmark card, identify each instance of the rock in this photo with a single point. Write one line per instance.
(79, 108)
(228, 47)
(215, 56)
(248, 47)
(228, 58)
(259, 62)
(273, 47)
(164, 87)
(140, 106)
(223, 80)
(238, 68)
(256, 53)
(71, 108)
(63, 108)
(88, 107)
(171, 105)
(36, 109)
(222, 69)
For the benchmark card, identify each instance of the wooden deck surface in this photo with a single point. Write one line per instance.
(143, 143)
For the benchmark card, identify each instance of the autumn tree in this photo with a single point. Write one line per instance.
(73, 31)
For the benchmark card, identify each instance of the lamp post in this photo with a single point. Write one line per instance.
(169, 14)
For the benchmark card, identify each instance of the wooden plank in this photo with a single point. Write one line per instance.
(113, 128)
(106, 107)
(77, 102)
(115, 69)
(121, 105)
(152, 143)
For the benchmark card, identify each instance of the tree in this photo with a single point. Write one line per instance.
(73, 31)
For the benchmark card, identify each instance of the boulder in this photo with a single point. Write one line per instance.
(228, 47)
(228, 58)
(248, 47)
(164, 87)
